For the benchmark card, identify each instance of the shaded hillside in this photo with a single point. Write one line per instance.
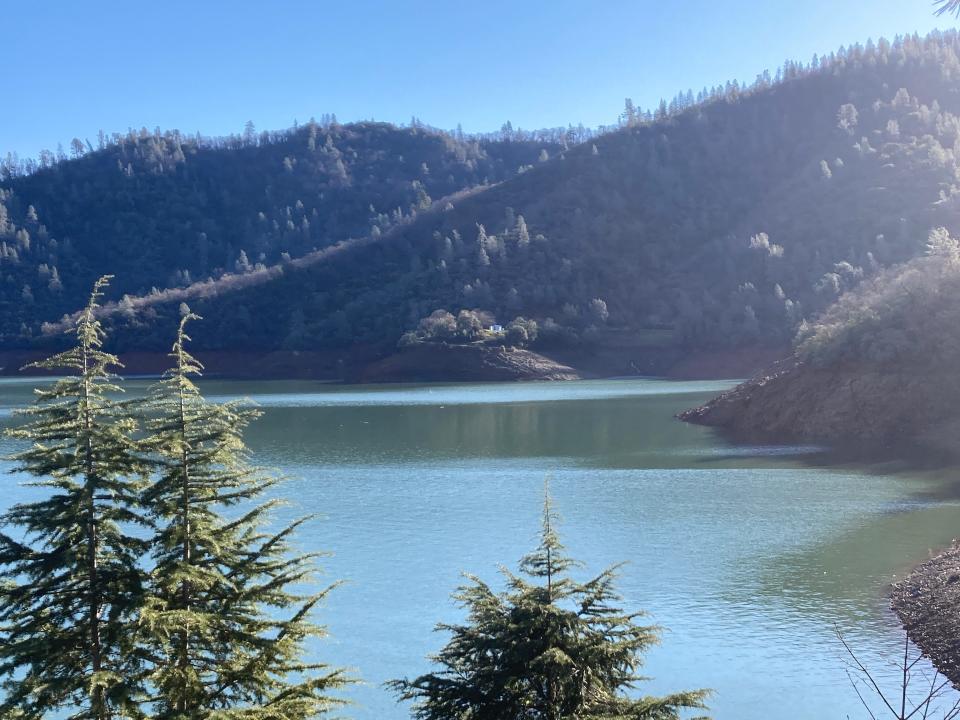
(878, 368)
(718, 224)
(164, 210)
(723, 224)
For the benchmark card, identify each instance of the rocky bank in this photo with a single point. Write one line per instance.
(854, 404)
(434, 362)
(928, 604)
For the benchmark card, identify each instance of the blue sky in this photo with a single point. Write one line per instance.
(73, 68)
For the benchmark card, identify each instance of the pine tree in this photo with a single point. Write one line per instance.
(70, 580)
(219, 586)
(548, 648)
(948, 6)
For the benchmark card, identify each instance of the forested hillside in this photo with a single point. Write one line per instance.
(723, 220)
(163, 210)
(878, 367)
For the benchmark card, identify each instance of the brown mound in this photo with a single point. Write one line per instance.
(854, 404)
(435, 362)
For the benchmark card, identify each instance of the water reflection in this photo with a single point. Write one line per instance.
(749, 555)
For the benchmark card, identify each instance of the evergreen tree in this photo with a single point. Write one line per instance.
(948, 6)
(70, 580)
(224, 630)
(549, 648)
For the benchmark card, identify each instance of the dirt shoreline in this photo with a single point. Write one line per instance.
(438, 363)
(464, 363)
(927, 602)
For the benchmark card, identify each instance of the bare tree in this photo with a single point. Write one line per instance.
(921, 695)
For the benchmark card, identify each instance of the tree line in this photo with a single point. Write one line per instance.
(144, 583)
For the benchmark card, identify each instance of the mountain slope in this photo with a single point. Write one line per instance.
(163, 210)
(722, 224)
(878, 368)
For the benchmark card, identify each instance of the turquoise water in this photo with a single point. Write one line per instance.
(748, 556)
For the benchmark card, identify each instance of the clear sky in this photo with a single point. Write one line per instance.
(72, 68)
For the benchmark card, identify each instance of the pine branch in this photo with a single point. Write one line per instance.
(947, 6)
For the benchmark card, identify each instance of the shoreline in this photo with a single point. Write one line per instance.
(359, 364)
(927, 603)
(851, 413)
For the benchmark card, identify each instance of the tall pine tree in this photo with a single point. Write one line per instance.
(549, 648)
(70, 579)
(223, 627)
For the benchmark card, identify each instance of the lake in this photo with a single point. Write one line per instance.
(747, 556)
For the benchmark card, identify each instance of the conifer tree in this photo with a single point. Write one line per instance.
(548, 648)
(224, 631)
(70, 578)
(948, 6)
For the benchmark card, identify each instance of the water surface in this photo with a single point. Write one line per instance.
(748, 556)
